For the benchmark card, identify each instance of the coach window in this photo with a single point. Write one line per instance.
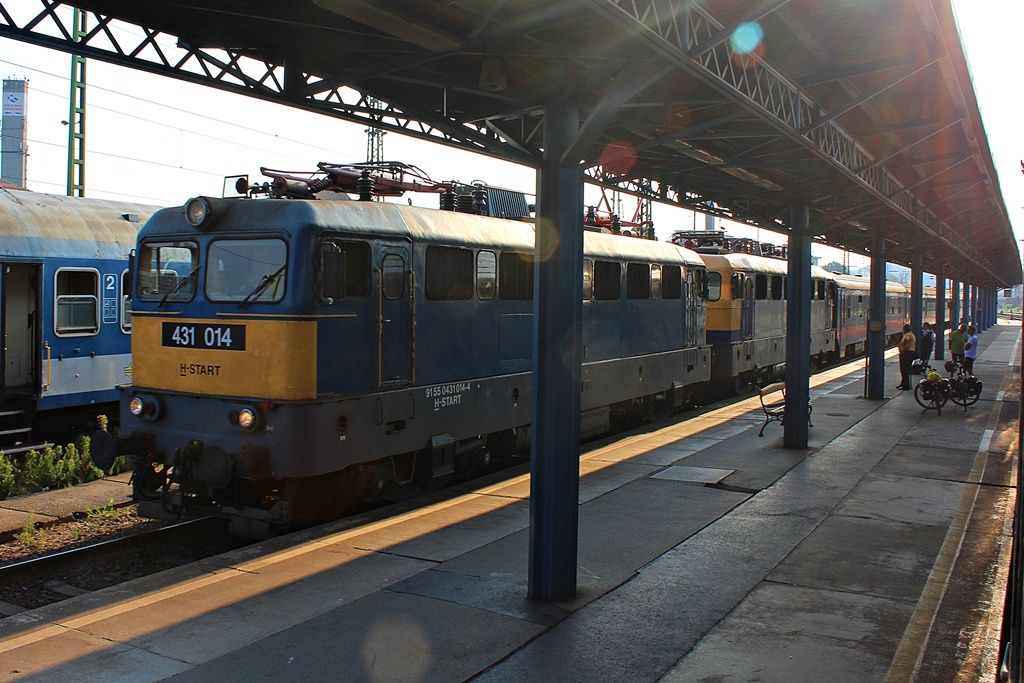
(126, 303)
(714, 286)
(638, 281)
(393, 277)
(77, 309)
(607, 280)
(776, 283)
(250, 271)
(449, 274)
(760, 286)
(515, 276)
(672, 282)
(167, 271)
(588, 279)
(486, 274)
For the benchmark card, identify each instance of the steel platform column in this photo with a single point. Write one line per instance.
(798, 332)
(972, 306)
(940, 313)
(982, 305)
(965, 308)
(876, 320)
(954, 302)
(988, 307)
(917, 295)
(557, 352)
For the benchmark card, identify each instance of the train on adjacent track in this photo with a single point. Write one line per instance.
(296, 355)
(65, 312)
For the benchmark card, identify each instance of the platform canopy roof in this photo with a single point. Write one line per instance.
(864, 110)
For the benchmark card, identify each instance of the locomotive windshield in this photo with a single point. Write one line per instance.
(166, 271)
(246, 271)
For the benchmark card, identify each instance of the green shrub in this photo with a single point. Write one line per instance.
(52, 467)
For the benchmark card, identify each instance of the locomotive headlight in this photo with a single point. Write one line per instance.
(197, 211)
(136, 407)
(246, 419)
(144, 407)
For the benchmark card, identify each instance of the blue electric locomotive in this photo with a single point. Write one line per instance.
(293, 356)
(64, 309)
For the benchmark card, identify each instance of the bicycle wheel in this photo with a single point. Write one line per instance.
(973, 386)
(929, 396)
(958, 392)
(924, 394)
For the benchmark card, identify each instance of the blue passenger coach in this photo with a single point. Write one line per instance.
(292, 355)
(64, 308)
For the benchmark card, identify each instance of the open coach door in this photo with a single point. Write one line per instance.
(21, 378)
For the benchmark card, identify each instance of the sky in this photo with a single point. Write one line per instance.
(155, 140)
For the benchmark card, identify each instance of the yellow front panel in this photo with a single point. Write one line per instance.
(723, 314)
(279, 360)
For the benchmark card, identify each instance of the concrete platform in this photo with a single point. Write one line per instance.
(705, 554)
(52, 506)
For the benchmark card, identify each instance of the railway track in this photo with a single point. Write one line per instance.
(56, 576)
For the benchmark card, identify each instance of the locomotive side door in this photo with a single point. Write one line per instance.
(19, 313)
(747, 313)
(395, 313)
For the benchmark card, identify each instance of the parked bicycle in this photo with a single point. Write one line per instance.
(933, 391)
(964, 388)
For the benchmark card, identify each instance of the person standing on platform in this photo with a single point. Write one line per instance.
(970, 350)
(957, 339)
(927, 343)
(908, 351)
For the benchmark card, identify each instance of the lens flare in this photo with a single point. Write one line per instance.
(747, 37)
(618, 158)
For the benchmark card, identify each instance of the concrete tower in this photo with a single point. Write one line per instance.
(13, 132)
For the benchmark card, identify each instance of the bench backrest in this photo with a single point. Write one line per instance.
(772, 388)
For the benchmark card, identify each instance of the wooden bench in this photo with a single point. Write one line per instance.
(774, 407)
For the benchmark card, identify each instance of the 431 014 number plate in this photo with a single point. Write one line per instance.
(201, 336)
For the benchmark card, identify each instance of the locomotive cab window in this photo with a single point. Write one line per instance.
(655, 282)
(449, 274)
(167, 271)
(672, 282)
(486, 274)
(607, 280)
(515, 276)
(714, 286)
(776, 284)
(737, 286)
(700, 282)
(588, 279)
(343, 271)
(246, 271)
(638, 281)
(760, 286)
(77, 311)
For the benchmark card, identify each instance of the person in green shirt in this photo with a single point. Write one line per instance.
(957, 339)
